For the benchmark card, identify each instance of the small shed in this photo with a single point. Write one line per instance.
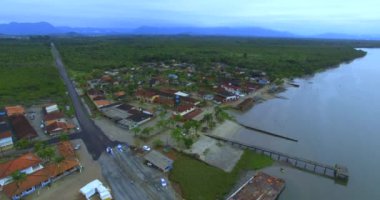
(51, 108)
(159, 160)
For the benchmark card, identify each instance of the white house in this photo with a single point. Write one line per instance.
(94, 187)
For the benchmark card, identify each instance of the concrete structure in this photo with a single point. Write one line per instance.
(94, 187)
(126, 115)
(262, 186)
(159, 160)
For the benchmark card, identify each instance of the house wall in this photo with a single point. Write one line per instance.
(6, 143)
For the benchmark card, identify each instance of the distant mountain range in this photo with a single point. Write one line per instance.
(44, 28)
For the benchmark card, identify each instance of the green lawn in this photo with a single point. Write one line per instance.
(27, 73)
(199, 181)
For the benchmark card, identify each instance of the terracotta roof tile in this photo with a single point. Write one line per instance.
(23, 162)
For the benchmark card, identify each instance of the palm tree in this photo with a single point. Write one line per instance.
(209, 119)
(58, 160)
(18, 177)
(46, 153)
(177, 134)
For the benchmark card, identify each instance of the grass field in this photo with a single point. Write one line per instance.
(199, 181)
(27, 74)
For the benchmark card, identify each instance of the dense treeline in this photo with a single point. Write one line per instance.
(27, 73)
(279, 57)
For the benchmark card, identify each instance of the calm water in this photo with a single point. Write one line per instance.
(335, 115)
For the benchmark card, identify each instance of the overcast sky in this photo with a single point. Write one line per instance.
(298, 16)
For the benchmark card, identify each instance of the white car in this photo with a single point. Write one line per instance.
(146, 148)
(163, 182)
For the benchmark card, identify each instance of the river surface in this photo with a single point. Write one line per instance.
(335, 115)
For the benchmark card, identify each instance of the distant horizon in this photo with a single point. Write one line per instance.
(299, 17)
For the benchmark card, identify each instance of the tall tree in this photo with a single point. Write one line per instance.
(18, 177)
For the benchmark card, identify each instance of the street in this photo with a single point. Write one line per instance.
(129, 178)
(96, 141)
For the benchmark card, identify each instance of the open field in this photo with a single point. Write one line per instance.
(198, 180)
(27, 73)
(278, 57)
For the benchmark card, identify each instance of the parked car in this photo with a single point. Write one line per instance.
(146, 148)
(77, 147)
(163, 182)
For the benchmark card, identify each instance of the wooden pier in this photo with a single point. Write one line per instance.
(268, 133)
(337, 172)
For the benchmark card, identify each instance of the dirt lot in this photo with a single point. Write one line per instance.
(68, 187)
(209, 150)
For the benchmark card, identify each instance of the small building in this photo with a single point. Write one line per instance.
(182, 94)
(146, 95)
(58, 127)
(54, 117)
(184, 109)
(6, 139)
(15, 110)
(159, 160)
(51, 108)
(27, 163)
(262, 186)
(94, 187)
(22, 127)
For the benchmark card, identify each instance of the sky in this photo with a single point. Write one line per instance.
(297, 16)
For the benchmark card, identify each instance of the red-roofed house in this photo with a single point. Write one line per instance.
(15, 110)
(27, 163)
(57, 127)
(22, 128)
(38, 178)
(184, 109)
(146, 95)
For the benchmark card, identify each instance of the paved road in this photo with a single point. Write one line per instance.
(131, 179)
(96, 141)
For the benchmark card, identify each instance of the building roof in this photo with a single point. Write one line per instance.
(53, 116)
(138, 117)
(95, 92)
(183, 108)
(15, 110)
(58, 126)
(261, 186)
(146, 93)
(5, 134)
(4, 126)
(101, 103)
(42, 175)
(159, 160)
(22, 127)
(125, 107)
(182, 94)
(119, 94)
(20, 163)
(66, 149)
(50, 170)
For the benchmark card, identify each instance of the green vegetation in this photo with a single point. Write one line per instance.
(201, 181)
(27, 73)
(278, 57)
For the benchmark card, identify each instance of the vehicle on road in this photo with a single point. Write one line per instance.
(163, 182)
(77, 147)
(146, 148)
